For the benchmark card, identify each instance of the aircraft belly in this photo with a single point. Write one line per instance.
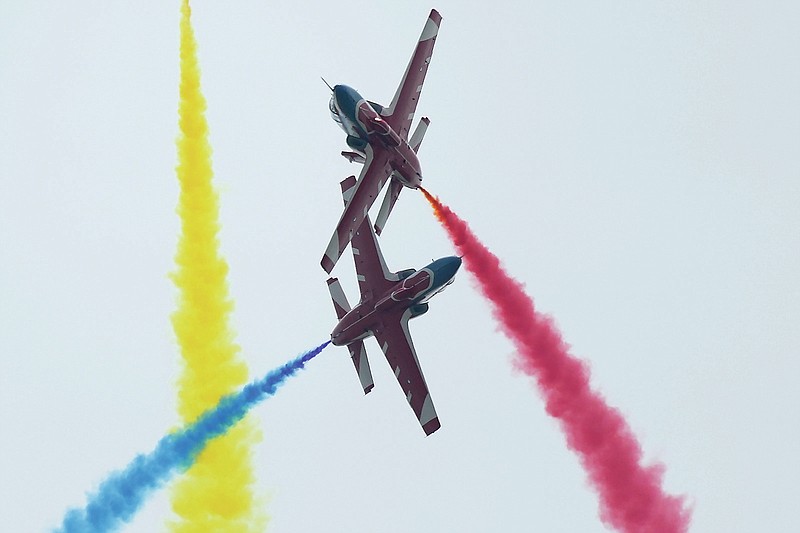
(359, 329)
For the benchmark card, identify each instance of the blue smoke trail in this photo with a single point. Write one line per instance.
(121, 495)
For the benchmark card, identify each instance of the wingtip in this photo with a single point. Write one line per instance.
(332, 253)
(431, 426)
(327, 264)
(431, 28)
(347, 183)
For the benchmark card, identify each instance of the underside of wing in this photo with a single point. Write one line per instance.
(395, 341)
(373, 177)
(373, 275)
(401, 111)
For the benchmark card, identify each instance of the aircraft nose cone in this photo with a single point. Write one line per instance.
(449, 267)
(346, 99)
(456, 264)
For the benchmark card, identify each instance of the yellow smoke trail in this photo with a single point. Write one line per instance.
(216, 493)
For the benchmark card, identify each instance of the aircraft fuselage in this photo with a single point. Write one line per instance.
(364, 125)
(411, 293)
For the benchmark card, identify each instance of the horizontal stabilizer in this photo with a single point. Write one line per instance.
(419, 133)
(354, 157)
(358, 353)
(340, 303)
(392, 193)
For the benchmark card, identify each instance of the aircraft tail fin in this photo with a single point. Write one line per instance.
(419, 133)
(340, 303)
(392, 193)
(358, 352)
(395, 187)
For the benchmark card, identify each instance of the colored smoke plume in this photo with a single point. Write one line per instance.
(631, 497)
(120, 496)
(217, 493)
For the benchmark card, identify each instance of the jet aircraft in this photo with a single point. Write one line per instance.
(379, 139)
(388, 301)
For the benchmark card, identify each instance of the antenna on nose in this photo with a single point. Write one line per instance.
(326, 83)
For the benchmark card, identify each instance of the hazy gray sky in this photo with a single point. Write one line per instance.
(635, 164)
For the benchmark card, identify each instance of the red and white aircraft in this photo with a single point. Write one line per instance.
(388, 301)
(379, 138)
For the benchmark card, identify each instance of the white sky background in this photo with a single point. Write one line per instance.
(635, 164)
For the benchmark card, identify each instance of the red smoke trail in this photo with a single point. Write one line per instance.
(631, 498)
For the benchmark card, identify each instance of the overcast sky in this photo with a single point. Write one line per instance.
(635, 164)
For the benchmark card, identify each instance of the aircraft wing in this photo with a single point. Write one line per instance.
(373, 177)
(400, 112)
(373, 275)
(395, 341)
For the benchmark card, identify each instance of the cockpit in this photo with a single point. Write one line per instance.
(335, 112)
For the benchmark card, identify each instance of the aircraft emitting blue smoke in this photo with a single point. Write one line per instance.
(121, 495)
